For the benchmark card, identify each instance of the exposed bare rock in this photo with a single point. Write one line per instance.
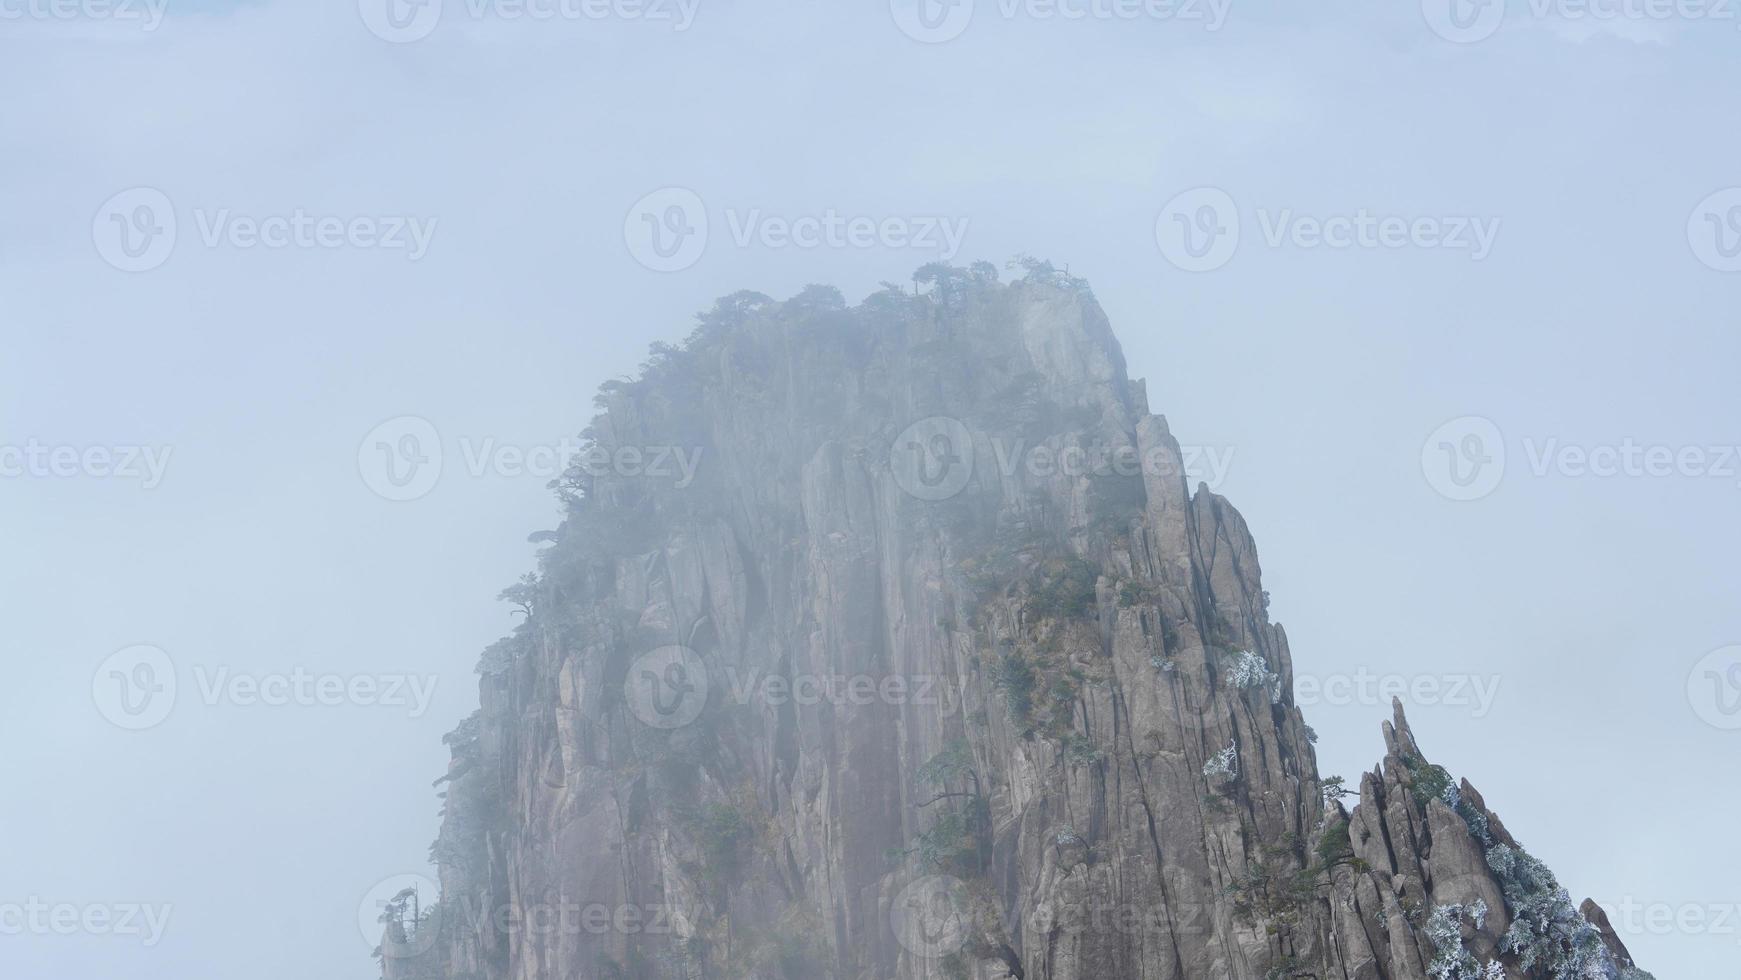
(937, 668)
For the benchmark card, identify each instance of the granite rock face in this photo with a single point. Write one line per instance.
(933, 666)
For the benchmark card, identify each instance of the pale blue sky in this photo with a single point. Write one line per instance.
(1592, 321)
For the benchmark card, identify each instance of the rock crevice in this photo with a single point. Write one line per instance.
(936, 669)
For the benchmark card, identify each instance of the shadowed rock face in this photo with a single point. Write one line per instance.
(988, 695)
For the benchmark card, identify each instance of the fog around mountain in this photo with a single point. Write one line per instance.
(478, 232)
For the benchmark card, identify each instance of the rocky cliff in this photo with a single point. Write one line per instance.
(932, 666)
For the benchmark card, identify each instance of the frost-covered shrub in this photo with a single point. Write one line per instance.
(1451, 959)
(1250, 670)
(1163, 664)
(1223, 764)
(1472, 815)
(1548, 933)
(1068, 837)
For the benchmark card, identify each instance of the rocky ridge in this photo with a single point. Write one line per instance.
(936, 669)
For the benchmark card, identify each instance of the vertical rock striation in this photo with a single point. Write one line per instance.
(936, 667)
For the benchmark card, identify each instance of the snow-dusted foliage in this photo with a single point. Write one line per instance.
(1548, 933)
(1163, 664)
(1451, 959)
(1222, 764)
(1250, 670)
(1472, 815)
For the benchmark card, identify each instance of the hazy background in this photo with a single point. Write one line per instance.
(264, 549)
